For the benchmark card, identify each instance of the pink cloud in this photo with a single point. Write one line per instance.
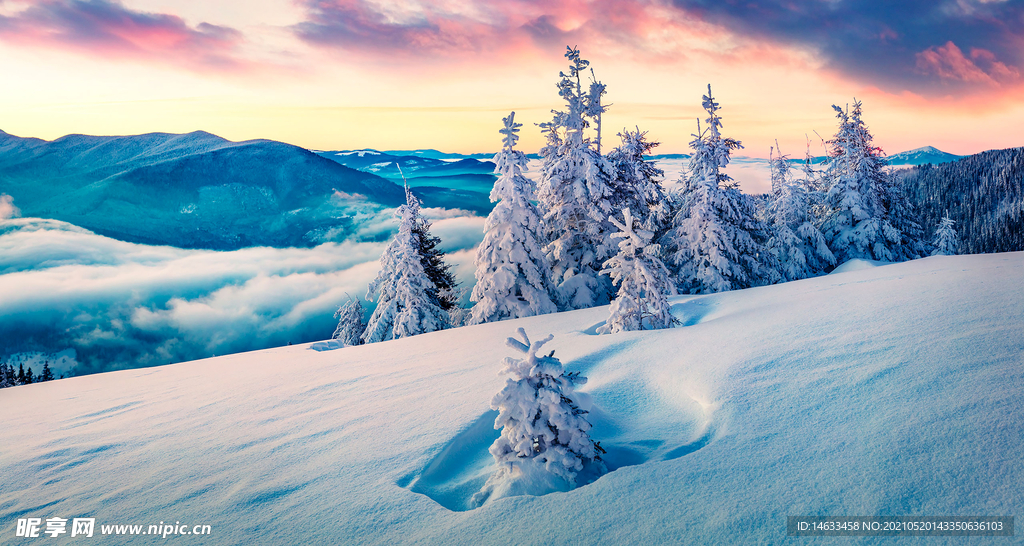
(108, 28)
(444, 30)
(948, 62)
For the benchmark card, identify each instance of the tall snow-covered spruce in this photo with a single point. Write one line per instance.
(512, 271)
(545, 444)
(446, 291)
(797, 244)
(714, 241)
(867, 214)
(643, 280)
(574, 195)
(946, 241)
(7, 378)
(408, 302)
(637, 184)
(350, 323)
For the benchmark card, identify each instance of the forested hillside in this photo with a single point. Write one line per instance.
(983, 193)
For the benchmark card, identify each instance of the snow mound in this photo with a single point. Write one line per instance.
(857, 264)
(329, 345)
(889, 390)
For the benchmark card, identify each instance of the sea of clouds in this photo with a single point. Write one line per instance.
(124, 305)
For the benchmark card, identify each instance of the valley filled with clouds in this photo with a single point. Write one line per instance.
(126, 305)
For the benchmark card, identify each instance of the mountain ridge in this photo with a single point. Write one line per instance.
(191, 190)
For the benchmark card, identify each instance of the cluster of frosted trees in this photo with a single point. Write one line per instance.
(416, 290)
(600, 228)
(24, 376)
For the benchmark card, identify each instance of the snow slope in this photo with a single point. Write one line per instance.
(896, 389)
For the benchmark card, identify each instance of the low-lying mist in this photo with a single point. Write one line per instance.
(124, 305)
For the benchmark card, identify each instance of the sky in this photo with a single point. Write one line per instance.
(407, 74)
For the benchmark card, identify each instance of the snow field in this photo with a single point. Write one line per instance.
(886, 390)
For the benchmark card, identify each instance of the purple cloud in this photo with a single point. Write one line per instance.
(910, 45)
(108, 28)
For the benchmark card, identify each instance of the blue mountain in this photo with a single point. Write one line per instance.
(194, 190)
(451, 181)
(921, 156)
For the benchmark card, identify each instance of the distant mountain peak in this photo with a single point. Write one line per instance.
(360, 153)
(922, 155)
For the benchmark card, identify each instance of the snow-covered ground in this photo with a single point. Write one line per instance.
(882, 390)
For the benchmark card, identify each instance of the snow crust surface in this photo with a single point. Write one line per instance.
(893, 390)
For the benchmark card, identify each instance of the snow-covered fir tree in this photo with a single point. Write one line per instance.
(946, 241)
(25, 377)
(446, 293)
(545, 438)
(643, 280)
(814, 184)
(901, 215)
(638, 181)
(797, 244)
(867, 215)
(574, 197)
(714, 241)
(350, 323)
(7, 378)
(595, 106)
(408, 302)
(512, 272)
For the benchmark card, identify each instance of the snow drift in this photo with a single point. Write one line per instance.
(889, 390)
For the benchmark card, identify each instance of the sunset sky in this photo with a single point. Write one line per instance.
(341, 74)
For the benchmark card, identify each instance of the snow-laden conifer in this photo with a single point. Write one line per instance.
(350, 323)
(797, 244)
(407, 304)
(595, 107)
(638, 181)
(815, 186)
(643, 280)
(900, 213)
(574, 194)
(545, 441)
(946, 241)
(867, 215)
(7, 378)
(446, 291)
(512, 272)
(714, 241)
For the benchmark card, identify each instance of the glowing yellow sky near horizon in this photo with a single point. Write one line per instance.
(322, 99)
